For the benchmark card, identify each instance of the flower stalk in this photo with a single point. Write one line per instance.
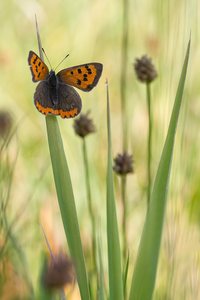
(146, 73)
(149, 147)
(82, 127)
(90, 206)
(123, 165)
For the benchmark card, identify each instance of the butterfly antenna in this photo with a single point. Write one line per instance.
(46, 57)
(61, 61)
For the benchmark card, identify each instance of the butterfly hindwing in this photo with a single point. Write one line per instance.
(83, 77)
(69, 104)
(38, 68)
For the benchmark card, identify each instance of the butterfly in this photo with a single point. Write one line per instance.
(55, 93)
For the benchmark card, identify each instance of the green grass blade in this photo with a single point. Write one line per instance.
(101, 287)
(144, 276)
(114, 257)
(125, 275)
(67, 203)
(65, 195)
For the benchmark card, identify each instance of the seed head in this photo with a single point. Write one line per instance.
(84, 125)
(145, 69)
(5, 123)
(58, 272)
(123, 164)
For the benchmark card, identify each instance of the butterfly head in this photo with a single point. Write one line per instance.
(52, 78)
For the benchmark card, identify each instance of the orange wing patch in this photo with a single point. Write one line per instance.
(83, 77)
(64, 114)
(38, 68)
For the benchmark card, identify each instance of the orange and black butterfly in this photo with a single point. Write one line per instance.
(55, 94)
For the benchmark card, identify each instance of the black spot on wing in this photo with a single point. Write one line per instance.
(85, 77)
(89, 71)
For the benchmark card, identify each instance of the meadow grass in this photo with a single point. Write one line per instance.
(103, 241)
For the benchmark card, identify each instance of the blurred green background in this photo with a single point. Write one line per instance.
(92, 31)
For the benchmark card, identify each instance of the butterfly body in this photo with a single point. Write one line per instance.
(53, 84)
(54, 93)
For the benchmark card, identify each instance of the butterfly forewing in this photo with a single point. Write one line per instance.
(84, 77)
(38, 68)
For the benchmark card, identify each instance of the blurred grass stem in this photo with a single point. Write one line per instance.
(124, 224)
(124, 51)
(62, 291)
(114, 253)
(90, 206)
(124, 217)
(149, 147)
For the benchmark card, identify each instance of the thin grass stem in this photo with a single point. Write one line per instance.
(114, 251)
(90, 206)
(124, 217)
(124, 51)
(149, 146)
(124, 54)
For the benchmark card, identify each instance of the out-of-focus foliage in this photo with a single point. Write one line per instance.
(92, 31)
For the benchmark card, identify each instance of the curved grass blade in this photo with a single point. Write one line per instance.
(125, 275)
(67, 203)
(66, 197)
(144, 276)
(114, 257)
